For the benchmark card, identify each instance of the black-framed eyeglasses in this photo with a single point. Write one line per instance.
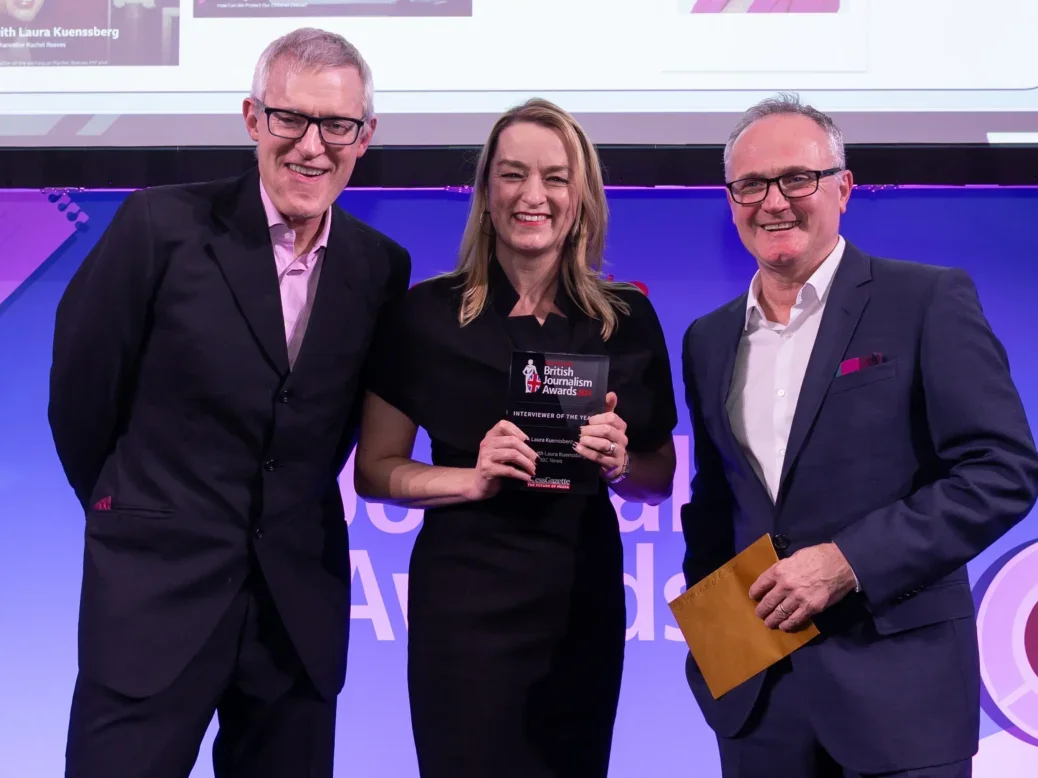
(800, 183)
(292, 125)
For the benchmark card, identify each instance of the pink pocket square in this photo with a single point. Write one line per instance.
(859, 363)
(104, 504)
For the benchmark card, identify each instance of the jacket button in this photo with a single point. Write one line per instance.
(781, 542)
(269, 465)
(284, 396)
(257, 533)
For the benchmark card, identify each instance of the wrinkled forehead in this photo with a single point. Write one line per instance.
(533, 146)
(779, 144)
(319, 92)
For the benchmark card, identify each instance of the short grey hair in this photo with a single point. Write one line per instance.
(787, 104)
(308, 48)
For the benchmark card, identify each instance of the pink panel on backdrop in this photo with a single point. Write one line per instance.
(33, 225)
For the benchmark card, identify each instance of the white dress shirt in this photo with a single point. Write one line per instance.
(769, 371)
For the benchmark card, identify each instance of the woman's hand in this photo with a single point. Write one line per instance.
(604, 440)
(503, 453)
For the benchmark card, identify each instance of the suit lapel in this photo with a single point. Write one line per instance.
(733, 332)
(734, 328)
(341, 288)
(246, 258)
(848, 297)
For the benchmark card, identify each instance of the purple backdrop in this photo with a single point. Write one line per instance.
(682, 246)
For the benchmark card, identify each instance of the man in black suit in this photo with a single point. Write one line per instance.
(861, 411)
(207, 370)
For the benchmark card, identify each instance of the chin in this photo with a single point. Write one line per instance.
(535, 249)
(529, 247)
(306, 212)
(298, 208)
(779, 259)
(779, 252)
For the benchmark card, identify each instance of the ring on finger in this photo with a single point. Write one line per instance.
(612, 448)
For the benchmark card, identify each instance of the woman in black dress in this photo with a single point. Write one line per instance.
(516, 600)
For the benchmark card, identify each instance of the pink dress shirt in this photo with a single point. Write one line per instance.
(297, 276)
(772, 6)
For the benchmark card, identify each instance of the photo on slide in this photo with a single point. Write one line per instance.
(291, 8)
(699, 45)
(70, 33)
(759, 6)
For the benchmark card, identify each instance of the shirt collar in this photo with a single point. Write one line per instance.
(279, 229)
(817, 285)
(504, 297)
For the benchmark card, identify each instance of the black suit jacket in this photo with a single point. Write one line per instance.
(197, 454)
(912, 467)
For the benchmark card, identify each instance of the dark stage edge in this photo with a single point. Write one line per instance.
(440, 166)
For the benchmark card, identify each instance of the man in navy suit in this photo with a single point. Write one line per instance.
(208, 364)
(861, 411)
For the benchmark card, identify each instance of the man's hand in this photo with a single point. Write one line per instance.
(793, 590)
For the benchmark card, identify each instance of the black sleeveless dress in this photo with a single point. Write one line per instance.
(516, 604)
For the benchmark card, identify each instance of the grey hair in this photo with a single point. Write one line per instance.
(308, 48)
(787, 104)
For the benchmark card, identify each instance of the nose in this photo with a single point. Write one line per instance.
(533, 191)
(311, 145)
(775, 200)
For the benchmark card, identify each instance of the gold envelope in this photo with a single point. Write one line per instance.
(729, 642)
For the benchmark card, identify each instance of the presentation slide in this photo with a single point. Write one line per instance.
(330, 8)
(634, 71)
(88, 33)
(759, 6)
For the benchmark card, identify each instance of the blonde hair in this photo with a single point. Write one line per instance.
(581, 260)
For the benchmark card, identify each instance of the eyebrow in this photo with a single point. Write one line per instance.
(783, 172)
(521, 166)
(324, 118)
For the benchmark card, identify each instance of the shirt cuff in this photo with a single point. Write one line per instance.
(857, 583)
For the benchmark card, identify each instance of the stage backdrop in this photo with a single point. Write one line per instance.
(683, 247)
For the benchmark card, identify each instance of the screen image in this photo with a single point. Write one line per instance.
(88, 33)
(634, 72)
(291, 8)
(760, 6)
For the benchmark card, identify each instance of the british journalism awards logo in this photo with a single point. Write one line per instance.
(533, 380)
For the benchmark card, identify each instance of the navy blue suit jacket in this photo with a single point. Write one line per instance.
(912, 467)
